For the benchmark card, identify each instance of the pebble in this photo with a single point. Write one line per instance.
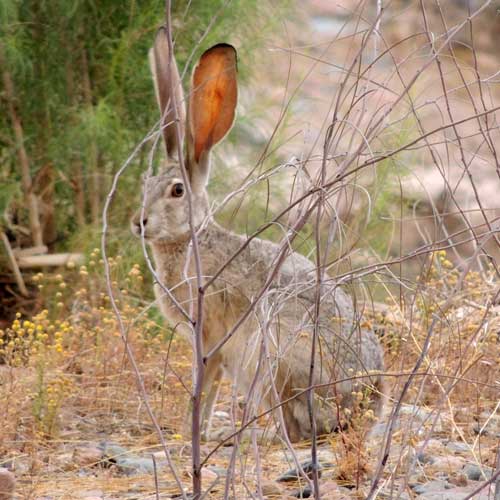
(476, 473)
(431, 486)
(135, 465)
(112, 450)
(425, 458)
(458, 494)
(220, 471)
(447, 463)
(7, 484)
(221, 414)
(431, 445)
(209, 475)
(332, 491)
(305, 492)
(294, 474)
(378, 430)
(458, 447)
(87, 456)
(488, 430)
(388, 495)
(271, 489)
(328, 489)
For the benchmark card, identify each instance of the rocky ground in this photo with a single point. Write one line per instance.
(103, 447)
(437, 466)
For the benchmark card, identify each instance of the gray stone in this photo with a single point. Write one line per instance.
(431, 487)
(271, 489)
(112, 449)
(458, 447)
(220, 471)
(490, 429)
(305, 492)
(392, 494)
(294, 474)
(476, 473)
(424, 458)
(458, 494)
(415, 412)
(378, 429)
(135, 465)
(87, 456)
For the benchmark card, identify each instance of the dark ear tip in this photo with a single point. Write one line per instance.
(223, 46)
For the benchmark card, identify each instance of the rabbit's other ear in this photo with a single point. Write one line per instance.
(166, 77)
(212, 105)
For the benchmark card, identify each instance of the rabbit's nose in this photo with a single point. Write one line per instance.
(144, 223)
(137, 223)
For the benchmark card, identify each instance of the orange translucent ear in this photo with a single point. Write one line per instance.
(213, 98)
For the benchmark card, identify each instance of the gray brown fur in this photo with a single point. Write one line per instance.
(344, 349)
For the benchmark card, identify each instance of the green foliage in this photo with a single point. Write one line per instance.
(82, 83)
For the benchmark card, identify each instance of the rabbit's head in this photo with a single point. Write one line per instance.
(211, 109)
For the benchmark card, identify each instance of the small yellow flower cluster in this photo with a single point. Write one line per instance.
(95, 258)
(443, 259)
(26, 338)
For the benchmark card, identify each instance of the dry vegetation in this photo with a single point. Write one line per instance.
(66, 388)
(74, 424)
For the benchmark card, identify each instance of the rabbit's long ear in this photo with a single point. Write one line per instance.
(212, 106)
(166, 77)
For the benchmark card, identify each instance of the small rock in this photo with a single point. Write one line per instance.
(488, 425)
(221, 414)
(431, 487)
(7, 484)
(294, 474)
(448, 463)
(135, 465)
(431, 445)
(415, 412)
(87, 456)
(476, 473)
(305, 492)
(112, 449)
(220, 471)
(379, 428)
(458, 447)
(208, 475)
(459, 494)
(324, 455)
(330, 489)
(424, 458)
(271, 489)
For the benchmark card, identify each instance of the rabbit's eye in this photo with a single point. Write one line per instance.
(177, 190)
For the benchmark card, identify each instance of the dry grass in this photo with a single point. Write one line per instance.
(65, 385)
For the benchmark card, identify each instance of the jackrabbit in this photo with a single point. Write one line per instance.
(270, 350)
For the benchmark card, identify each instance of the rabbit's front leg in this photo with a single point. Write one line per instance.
(210, 389)
(211, 381)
